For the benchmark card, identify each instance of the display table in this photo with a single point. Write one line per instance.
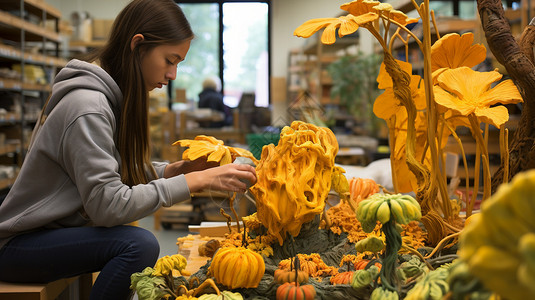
(189, 248)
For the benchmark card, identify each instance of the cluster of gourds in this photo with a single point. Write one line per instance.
(380, 207)
(389, 209)
(499, 244)
(294, 178)
(294, 287)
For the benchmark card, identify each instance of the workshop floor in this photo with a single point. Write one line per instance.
(166, 237)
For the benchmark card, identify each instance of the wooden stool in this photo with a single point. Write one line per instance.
(70, 288)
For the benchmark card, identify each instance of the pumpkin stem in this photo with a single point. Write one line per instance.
(244, 242)
(231, 204)
(297, 267)
(229, 219)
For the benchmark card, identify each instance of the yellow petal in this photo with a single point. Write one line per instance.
(453, 51)
(496, 116)
(329, 34)
(401, 18)
(366, 18)
(384, 78)
(418, 92)
(505, 92)
(467, 83)
(360, 7)
(311, 26)
(384, 7)
(386, 105)
(217, 154)
(209, 139)
(450, 101)
(348, 25)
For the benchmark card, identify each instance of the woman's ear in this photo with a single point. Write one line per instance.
(135, 40)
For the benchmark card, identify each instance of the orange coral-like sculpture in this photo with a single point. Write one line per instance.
(294, 178)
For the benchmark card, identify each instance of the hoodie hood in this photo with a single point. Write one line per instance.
(78, 74)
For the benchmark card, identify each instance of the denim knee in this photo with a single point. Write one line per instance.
(144, 246)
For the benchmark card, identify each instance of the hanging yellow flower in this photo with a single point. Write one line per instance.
(454, 51)
(386, 105)
(405, 179)
(347, 24)
(466, 92)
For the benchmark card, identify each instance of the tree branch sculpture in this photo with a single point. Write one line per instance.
(517, 58)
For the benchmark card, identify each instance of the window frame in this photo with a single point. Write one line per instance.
(220, 45)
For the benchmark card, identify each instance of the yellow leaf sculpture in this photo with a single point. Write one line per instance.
(294, 178)
(213, 149)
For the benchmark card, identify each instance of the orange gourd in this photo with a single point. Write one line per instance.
(342, 278)
(361, 188)
(361, 264)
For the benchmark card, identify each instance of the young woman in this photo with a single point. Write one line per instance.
(88, 169)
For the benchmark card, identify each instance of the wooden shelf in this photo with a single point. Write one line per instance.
(8, 148)
(89, 44)
(6, 182)
(11, 26)
(9, 52)
(36, 7)
(17, 85)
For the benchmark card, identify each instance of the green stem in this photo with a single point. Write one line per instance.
(393, 241)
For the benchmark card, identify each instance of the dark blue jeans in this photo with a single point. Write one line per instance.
(48, 255)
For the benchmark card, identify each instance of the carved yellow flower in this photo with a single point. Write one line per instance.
(466, 92)
(347, 24)
(454, 51)
(385, 11)
(213, 149)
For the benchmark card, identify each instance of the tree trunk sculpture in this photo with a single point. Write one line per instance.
(518, 61)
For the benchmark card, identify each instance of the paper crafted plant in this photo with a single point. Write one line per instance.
(421, 112)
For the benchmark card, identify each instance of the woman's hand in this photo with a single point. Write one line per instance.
(187, 166)
(229, 177)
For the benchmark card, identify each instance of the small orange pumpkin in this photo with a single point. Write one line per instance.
(361, 264)
(283, 276)
(295, 291)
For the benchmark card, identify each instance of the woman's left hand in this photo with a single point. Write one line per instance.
(188, 166)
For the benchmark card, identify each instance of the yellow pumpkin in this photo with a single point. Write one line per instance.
(237, 267)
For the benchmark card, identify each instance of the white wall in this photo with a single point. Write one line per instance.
(287, 15)
(98, 9)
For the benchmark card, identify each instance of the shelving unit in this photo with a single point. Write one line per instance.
(29, 59)
(307, 67)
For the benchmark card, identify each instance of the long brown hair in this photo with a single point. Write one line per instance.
(160, 22)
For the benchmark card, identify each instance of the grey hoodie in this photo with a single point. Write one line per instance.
(71, 174)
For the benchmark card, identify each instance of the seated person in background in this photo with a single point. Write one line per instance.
(211, 97)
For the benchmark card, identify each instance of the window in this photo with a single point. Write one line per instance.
(231, 43)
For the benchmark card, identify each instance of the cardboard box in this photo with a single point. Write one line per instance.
(101, 29)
